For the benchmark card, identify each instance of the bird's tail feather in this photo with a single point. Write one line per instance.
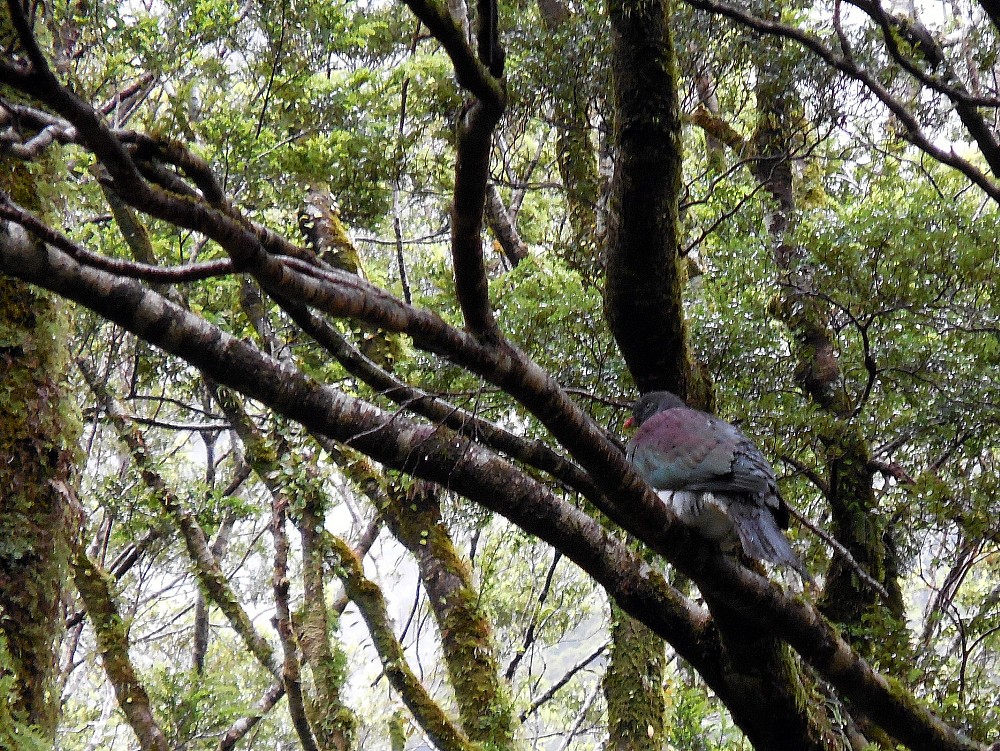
(762, 539)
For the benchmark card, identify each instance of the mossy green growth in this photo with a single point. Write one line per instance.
(633, 686)
(16, 734)
(39, 427)
(38, 431)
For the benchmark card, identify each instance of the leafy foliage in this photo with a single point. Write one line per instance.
(359, 102)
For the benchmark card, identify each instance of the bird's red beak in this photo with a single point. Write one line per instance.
(629, 423)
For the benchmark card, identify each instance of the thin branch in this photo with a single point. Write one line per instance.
(119, 266)
(22, 25)
(893, 28)
(290, 669)
(397, 223)
(501, 221)
(238, 730)
(566, 678)
(580, 717)
(206, 568)
(842, 551)
(529, 632)
(966, 106)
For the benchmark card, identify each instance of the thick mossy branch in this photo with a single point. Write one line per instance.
(370, 601)
(332, 721)
(466, 637)
(95, 587)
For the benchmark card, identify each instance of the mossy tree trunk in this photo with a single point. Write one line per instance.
(633, 686)
(38, 431)
(644, 279)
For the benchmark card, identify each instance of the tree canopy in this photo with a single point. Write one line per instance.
(319, 324)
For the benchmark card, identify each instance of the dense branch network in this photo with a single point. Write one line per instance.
(434, 452)
(964, 103)
(439, 456)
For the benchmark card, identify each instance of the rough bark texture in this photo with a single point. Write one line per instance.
(38, 430)
(633, 686)
(466, 636)
(643, 306)
(644, 279)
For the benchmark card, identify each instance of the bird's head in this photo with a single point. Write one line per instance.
(649, 404)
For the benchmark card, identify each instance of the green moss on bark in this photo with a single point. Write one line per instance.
(38, 432)
(466, 637)
(633, 686)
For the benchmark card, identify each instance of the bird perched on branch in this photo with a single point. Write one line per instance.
(712, 476)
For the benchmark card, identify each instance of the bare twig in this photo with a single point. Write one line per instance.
(563, 680)
(842, 551)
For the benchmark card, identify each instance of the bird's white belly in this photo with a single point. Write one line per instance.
(703, 511)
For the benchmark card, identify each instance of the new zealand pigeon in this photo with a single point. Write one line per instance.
(712, 476)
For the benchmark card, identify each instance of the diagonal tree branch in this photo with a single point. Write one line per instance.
(532, 453)
(468, 469)
(368, 597)
(95, 587)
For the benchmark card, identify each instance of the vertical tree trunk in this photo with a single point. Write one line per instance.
(633, 686)
(38, 431)
(759, 678)
(644, 280)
